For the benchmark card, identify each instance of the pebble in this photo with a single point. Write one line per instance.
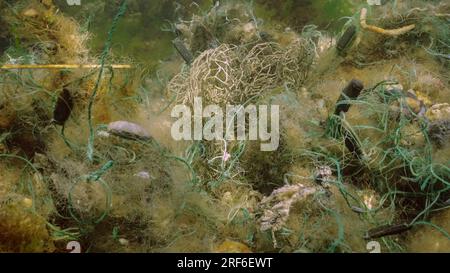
(30, 13)
(143, 175)
(27, 202)
(103, 134)
(124, 242)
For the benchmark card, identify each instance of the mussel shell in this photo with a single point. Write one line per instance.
(63, 107)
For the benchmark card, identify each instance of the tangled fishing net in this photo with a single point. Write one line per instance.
(236, 63)
(231, 74)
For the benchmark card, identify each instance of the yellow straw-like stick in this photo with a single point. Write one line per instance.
(388, 32)
(62, 66)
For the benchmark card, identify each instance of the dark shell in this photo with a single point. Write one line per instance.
(346, 38)
(183, 50)
(387, 230)
(351, 91)
(63, 107)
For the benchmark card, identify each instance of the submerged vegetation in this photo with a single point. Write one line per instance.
(86, 153)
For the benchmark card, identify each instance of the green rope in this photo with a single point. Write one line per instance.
(94, 177)
(341, 229)
(121, 12)
(438, 228)
(63, 136)
(108, 204)
(30, 183)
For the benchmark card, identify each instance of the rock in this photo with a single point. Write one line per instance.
(429, 84)
(32, 13)
(143, 175)
(438, 112)
(103, 134)
(394, 88)
(128, 130)
(124, 242)
(229, 246)
(323, 174)
(303, 93)
(27, 202)
(439, 132)
(47, 3)
(409, 104)
(227, 198)
(414, 104)
(249, 27)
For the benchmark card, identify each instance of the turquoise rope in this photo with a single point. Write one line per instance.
(90, 147)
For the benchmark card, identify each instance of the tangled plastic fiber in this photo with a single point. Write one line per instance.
(233, 74)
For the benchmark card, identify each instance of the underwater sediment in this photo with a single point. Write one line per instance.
(87, 155)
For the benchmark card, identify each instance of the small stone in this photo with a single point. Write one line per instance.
(103, 134)
(321, 103)
(227, 198)
(414, 104)
(439, 132)
(304, 92)
(249, 27)
(229, 246)
(27, 202)
(323, 174)
(143, 175)
(30, 13)
(394, 88)
(124, 242)
(439, 112)
(47, 3)
(409, 104)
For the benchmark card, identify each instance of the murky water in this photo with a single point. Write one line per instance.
(147, 29)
